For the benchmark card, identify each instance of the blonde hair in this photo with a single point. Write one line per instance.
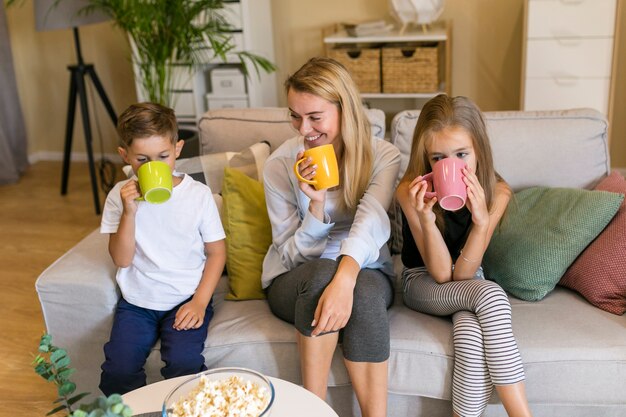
(445, 112)
(328, 79)
(143, 120)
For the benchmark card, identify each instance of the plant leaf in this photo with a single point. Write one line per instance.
(66, 388)
(59, 358)
(65, 373)
(127, 412)
(77, 398)
(117, 408)
(56, 410)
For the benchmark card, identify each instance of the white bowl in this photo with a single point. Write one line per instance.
(219, 374)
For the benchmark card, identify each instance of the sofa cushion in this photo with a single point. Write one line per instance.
(567, 347)
(566, 148)
(599, 273)
(248, 234)
(235, 129)
(544, 231)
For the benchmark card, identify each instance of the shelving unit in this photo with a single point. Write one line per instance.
(438, 33)
(251, 31)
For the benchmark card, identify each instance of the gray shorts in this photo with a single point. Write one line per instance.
(293, 297)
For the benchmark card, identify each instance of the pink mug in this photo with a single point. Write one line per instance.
(447, 181)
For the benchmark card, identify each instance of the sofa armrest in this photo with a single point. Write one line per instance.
(78, 295)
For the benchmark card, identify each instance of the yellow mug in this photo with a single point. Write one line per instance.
(155, 182)
(327, 173)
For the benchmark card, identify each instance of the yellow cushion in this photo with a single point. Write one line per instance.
(248, 234)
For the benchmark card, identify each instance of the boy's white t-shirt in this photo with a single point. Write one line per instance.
(169, 254)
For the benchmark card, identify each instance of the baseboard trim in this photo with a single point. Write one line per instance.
(74, 157)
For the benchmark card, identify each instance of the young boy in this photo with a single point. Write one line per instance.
(170, 257)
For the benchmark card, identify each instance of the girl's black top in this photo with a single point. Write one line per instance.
(457, 227)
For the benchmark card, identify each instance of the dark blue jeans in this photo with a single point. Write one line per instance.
(134, 333)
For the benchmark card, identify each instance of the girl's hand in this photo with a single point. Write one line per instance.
(129, 193)
(476, 202)
(189, 316)
(422, 204)
(334, 307)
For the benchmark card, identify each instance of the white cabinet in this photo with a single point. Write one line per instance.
(569, 54)
(252, 32)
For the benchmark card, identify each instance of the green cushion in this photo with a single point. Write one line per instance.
(544, 231)
(248, 234)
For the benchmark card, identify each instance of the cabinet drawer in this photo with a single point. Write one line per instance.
(228, 81)
(569, 57)
(550, 94)
(570, 18)
(184, 104)
(226, 102)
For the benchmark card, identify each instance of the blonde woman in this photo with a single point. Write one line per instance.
(328, 268)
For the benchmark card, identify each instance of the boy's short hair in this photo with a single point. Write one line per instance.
(143, 120)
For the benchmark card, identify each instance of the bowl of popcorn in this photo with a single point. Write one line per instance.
(221, 392)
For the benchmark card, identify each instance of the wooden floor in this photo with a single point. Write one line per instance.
(37, 225)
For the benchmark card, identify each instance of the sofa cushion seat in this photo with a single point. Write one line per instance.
(564, 341)
(573, 352)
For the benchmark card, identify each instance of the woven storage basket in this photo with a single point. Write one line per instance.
(410, 69)
(363, 65)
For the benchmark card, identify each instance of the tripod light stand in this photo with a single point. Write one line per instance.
(64, 15)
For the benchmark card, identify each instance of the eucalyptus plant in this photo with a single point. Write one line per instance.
(52, 364)
(164, 33)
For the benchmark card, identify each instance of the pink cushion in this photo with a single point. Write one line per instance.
(599, 273)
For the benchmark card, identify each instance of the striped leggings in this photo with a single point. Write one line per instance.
(485, 351)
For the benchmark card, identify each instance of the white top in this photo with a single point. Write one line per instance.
(169, 255)
(298, 236)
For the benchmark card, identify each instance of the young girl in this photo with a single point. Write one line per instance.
(328, 268)
(443, 250)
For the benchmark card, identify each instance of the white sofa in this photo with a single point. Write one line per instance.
(574, 353)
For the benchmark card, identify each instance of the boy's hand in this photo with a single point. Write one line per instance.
(189, 316)
(129, 193)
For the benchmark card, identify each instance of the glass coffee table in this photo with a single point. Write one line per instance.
(290, 400)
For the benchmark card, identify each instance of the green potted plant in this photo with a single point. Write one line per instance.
(165, 34)
(168, 33)
(52, 364)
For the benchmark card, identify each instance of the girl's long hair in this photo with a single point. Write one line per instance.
(445, 112)
(328, 79)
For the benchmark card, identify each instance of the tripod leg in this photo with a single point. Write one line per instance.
(84, 109)
(103, 95)
(69, 129)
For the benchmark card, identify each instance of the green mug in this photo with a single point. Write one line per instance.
(155, 182)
